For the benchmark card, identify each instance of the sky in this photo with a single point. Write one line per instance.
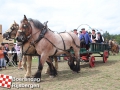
(64, 15)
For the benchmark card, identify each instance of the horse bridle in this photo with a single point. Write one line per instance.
(28, 25)
(32, 43)
(26, 38)
(9, 32)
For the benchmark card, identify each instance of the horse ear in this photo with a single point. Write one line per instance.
(25, 17)
(14, 22)
(45, 24)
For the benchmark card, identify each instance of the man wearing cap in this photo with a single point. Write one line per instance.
(86, 38)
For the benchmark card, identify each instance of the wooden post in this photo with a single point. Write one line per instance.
(1, 39)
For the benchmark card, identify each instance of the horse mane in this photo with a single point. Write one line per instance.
(36, 23)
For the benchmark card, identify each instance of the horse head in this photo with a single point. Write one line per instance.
(11, 32)
(110, 43)
(25, 30)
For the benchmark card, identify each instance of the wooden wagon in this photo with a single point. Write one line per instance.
(101, 50)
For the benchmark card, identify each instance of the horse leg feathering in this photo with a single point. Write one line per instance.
(40, 66)
(53, 71)
(38, 73)
(76, 58)
(55, 64)
(73, 66)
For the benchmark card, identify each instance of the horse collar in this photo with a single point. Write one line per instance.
(43, 32)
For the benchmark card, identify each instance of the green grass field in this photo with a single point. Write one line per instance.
(104, 76)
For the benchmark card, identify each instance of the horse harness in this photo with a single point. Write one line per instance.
(42, 35)
(9, 33)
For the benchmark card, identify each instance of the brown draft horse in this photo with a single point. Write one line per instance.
(114, 48)
(30, 50)
(49, 44)
(11, 32)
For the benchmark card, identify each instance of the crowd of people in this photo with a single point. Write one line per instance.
(86, 38)
(91, 37)
(4, 55)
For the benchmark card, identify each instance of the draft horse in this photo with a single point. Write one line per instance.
(113, 47)
(27, 52)
(48, 44)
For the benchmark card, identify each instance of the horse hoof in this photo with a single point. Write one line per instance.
(37, 80)
(37, 74)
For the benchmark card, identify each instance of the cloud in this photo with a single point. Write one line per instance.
(64, 14)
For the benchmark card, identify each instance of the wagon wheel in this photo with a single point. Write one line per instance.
(105, 56)
(92, 61)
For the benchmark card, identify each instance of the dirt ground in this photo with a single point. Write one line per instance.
(104, 76)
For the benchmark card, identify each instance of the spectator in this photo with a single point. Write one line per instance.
(15, 54)
(2, 59)
(6, 49)
(2, 45)
(85, 39)
(99, 38)
(19, 55)
(58, 59)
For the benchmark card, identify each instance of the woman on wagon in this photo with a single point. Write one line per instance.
(99, 38)
(93, 36)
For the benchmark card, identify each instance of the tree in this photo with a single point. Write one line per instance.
(108, 36)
